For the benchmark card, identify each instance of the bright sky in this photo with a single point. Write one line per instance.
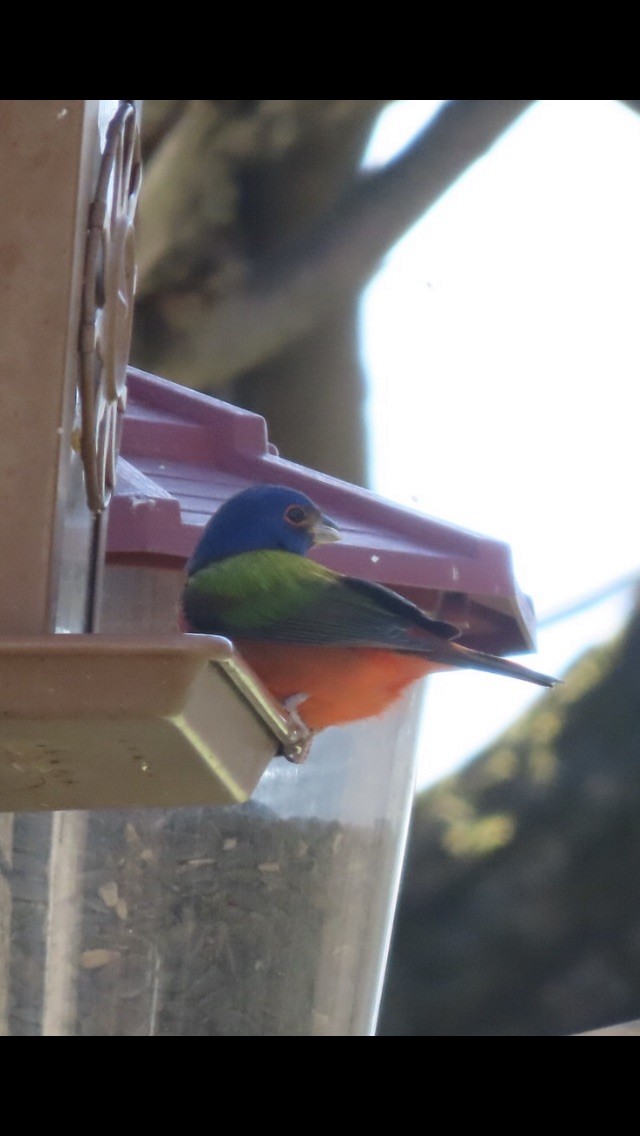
(502, 343)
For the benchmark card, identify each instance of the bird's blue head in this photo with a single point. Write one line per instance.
(262, 517)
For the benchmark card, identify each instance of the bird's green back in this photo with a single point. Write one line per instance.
(255, 590)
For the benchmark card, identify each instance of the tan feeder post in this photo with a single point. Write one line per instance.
(68, 184)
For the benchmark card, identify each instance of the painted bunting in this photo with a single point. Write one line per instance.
(340, 648)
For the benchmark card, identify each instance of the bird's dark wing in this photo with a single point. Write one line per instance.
(348, 612)
(404, 610)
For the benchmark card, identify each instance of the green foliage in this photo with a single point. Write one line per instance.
(520, 911)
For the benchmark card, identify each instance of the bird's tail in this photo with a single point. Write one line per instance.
(478, 660)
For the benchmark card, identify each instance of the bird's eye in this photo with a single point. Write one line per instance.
(295, 515)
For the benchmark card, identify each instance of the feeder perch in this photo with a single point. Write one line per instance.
(107, 720)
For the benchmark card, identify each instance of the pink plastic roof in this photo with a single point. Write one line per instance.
(183, 453)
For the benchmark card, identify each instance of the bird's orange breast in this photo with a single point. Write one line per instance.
(343, 684)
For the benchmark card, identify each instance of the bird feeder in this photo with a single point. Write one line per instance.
(263, 906)
(164, 870)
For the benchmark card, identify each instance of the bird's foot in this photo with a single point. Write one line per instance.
(297, 748)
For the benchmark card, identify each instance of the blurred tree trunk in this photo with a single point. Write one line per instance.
(259, 231)
(259, 175)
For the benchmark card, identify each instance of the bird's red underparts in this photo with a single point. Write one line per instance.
(343, 684)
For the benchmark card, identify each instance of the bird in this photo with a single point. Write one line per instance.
(331, 648)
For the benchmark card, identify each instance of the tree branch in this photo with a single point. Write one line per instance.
(193, 177)
(297, 288)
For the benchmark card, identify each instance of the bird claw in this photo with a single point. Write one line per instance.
(291, 706)
(296, 750)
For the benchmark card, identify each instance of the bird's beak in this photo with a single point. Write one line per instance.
(324, 531)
